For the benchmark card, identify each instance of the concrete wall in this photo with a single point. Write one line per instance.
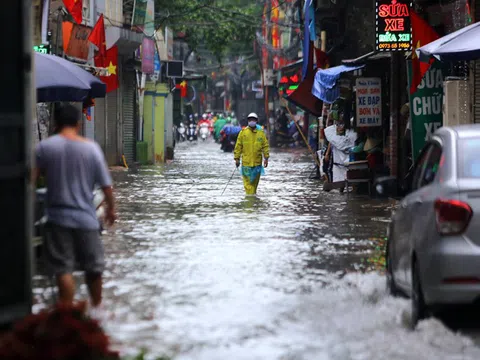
(350, 29)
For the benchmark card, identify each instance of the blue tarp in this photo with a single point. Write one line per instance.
(231, 130)
(325, 84)
(461, 45)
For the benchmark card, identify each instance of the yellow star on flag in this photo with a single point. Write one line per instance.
(183, 83)
(414, 52)
(112, 69)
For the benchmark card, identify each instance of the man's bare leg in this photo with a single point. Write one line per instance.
(66, 288)
(94, 284)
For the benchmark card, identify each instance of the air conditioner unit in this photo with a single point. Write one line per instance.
(456, 102)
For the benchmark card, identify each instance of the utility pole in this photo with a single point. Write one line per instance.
(267, 91)
(396, 57)
(16, 114)
(58, 28)
(323, 47)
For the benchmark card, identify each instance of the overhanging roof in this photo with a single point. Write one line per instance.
(371, 56)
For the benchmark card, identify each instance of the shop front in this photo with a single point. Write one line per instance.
(115, 125)
(357, 123)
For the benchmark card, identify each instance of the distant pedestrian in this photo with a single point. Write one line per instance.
(251, 148)
(73, 166)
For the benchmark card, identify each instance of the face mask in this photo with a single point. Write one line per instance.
(252, 124)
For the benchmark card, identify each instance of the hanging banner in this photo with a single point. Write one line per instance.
(148, 56)
(426, 106)
(161, 45)
(394, 29)
(78, 44)
(157, 68)
(169, 43)
(369, 101)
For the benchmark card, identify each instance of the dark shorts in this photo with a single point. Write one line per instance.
(68, 249)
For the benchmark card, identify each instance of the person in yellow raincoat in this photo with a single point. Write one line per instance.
(251, 147)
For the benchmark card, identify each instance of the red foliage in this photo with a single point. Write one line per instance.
(62, 333)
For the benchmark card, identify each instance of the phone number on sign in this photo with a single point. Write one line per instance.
(394, 46)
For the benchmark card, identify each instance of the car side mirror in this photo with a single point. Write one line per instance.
(386, 186)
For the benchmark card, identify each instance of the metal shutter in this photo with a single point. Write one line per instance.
(89, 127)
(128, 107)
(99, 124)
(111, 132)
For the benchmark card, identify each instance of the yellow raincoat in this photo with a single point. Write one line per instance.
(251, 147)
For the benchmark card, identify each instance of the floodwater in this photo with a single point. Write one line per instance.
(194, 274)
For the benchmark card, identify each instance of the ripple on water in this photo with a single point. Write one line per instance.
(205, 276)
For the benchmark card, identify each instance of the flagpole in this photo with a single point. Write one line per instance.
(323, 47)
(59, 24)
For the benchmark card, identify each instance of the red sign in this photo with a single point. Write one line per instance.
(78, 43)
(289, 81)
(393, 25)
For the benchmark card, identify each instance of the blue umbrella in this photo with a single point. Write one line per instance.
(60, 80)
(461, 45)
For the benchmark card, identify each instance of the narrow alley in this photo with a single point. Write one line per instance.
(194, 274)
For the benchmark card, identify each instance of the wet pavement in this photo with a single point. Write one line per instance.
(195, 274)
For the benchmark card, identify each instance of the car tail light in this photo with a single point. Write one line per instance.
(452, 216)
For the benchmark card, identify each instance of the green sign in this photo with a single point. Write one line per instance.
(44, 49)
(426, 106)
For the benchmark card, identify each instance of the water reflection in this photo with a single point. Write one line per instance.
(190, 269)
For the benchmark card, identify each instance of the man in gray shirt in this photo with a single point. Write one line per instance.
(73, 166)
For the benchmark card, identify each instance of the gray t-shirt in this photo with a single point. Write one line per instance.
(72, 169)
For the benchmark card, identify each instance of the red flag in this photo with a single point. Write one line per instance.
(110, 61)
(422, 34)
(67, 28)
(74, 7)
(302, 96)
(97, 37)
(183, 88)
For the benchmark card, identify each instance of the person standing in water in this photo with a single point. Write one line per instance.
(252, 147)
(73, 166)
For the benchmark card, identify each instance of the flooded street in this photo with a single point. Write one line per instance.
(196, 275)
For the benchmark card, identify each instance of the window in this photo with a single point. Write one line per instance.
(420, 165)
(469, 158)
(432, 164)
(427, 165)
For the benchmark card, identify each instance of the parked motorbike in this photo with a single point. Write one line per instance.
(204, 132)
(181, 133)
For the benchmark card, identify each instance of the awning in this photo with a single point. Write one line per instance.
(461, 45)
(297, 63)
(127, 40)
(371, 56)
(325, 84)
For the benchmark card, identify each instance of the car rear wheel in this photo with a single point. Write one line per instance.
(419, 308)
